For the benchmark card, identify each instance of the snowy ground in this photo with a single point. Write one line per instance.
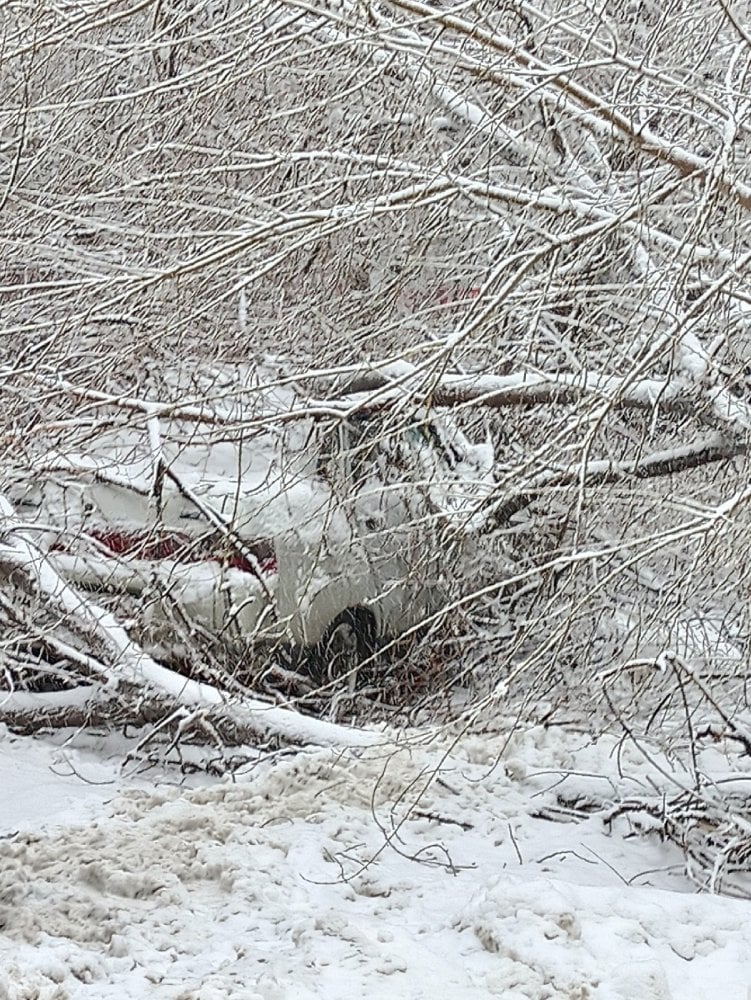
(441, 870)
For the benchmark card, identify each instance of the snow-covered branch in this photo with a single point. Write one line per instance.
(668, 462)
(122, 666)
(590, 108)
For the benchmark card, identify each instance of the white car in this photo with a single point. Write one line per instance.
(278, 524)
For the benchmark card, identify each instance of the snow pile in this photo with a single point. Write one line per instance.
(420, 872)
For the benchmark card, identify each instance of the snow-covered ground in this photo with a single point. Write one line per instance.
(442, 868)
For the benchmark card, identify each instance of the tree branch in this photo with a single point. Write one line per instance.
(522, 389)
(660, 463)
(601, 115)
(125, 666)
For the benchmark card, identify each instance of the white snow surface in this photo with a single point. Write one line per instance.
(416, 870)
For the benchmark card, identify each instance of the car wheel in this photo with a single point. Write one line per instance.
(348, 641)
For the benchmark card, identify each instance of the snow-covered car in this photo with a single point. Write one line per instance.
(326, 527)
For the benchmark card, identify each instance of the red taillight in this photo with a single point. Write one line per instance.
(145, 545)
(153, 547)
(267, 565)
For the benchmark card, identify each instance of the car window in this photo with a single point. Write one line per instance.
(352, 451)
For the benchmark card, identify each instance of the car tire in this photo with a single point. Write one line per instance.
(349, 640)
